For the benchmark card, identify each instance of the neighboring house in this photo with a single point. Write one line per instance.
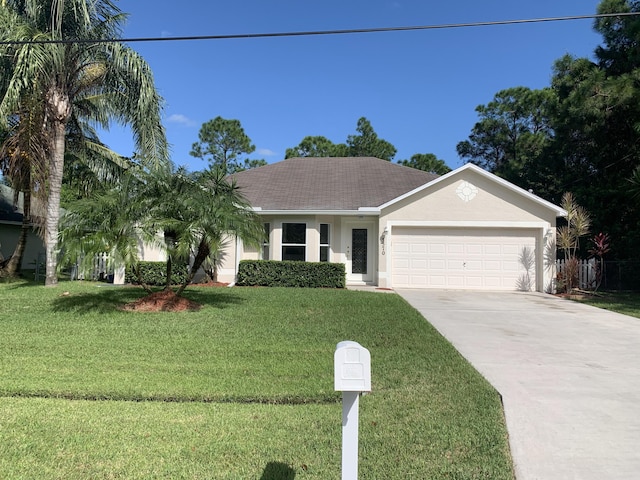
(394, 226)
(10, 225)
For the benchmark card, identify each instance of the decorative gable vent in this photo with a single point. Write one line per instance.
(466, 191)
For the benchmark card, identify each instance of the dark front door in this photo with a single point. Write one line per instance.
(359, 251)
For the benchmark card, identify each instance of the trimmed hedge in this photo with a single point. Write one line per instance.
(273, 273)
(155, 273)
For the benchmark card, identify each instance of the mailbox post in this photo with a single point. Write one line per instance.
(352, 376)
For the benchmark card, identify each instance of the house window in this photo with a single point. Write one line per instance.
(294, 241)
(324, 242)
(265, 242)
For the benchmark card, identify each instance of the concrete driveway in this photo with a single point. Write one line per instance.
(569, 376)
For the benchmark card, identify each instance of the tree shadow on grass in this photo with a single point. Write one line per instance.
(278, 471)
(108, 300)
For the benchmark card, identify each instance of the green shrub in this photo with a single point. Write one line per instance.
(272, 273)
(155, 273)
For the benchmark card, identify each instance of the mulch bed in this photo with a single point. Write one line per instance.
(168, 301)
(164, 301)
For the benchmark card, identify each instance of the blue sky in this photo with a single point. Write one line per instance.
(419, 89)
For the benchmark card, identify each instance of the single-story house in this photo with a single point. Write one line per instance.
(398, 227)
(10, 226)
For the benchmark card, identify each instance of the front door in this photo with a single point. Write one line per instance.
(357, 240)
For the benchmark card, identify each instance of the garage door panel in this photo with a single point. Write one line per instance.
(474, 281)
(454, 264)
(512, 249)
(512, 266)
(492, 265)
(457, 258)
(493, 249)
(455, 248)
(419, 264)
(493, 282)
(401, 247)
(402, 263)
(454, 281)
(435, 248)
(474, 265)
(475, 249)
(436, 264)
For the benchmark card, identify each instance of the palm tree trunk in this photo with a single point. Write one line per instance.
(60, 107)
(15, 262)
(170, 242)
(201, 255)
(56, 165)
(169, 273)
(145, 287)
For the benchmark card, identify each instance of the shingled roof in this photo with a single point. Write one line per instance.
(12, 213)
(8, 211)
(335, 183)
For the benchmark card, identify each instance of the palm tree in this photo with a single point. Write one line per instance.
(211, 209)
(110, 221)
(21, 158)
(568, 239)
(89, 165)
(82, 76)
(194, 212)
(197, 213)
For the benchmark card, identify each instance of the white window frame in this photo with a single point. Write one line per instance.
(266, 244)
(324, 245)
(302, 245)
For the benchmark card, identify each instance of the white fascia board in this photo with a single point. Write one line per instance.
(560, 212)
(369, 212)
(466, 224)
(11, 222)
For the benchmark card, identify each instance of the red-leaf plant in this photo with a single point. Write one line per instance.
(601, 246)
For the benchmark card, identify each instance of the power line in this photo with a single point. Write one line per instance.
(323, 32)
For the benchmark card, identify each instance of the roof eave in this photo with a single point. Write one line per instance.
(362, 211)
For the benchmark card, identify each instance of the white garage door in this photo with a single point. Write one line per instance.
(480, 259)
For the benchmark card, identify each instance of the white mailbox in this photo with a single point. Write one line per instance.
(352, 367)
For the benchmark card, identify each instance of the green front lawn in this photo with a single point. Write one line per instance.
(242, 389)
(627, 303)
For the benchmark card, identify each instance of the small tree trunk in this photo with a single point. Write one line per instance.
(14, 265)
(145, 287)
(170, 242)
(201, 255)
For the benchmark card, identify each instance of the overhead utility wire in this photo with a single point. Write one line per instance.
(325, 32)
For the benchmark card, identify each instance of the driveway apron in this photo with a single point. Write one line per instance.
(569, 376)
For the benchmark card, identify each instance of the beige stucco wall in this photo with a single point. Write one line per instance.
(493, 202)
(494, 206)
(153, 252)
(313, 235)
(233, 253)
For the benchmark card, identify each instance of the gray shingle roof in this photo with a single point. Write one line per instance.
(328, 183)
(9, 212)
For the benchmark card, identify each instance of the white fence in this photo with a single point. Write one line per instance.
(100, 268)
(587, 272)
